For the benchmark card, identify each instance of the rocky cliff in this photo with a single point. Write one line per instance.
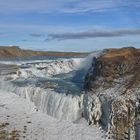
(114, 81)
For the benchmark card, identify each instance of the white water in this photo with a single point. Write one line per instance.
(63, 105)
(54, 67)
(47, 68)
(55, 104)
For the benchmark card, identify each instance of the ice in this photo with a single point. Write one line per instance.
(60, 106)
(47, 67)
(22, 114)
(51, 114)
(50, 67)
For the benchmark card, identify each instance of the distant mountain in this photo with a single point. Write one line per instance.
(15, 51)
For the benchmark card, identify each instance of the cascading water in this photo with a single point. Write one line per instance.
(48, 101)
(47, 67)
(54, 86)
(50, 86)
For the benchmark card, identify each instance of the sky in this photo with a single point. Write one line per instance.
(70, 25)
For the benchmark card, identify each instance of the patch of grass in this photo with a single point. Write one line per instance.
(8, 135)
(3, 125)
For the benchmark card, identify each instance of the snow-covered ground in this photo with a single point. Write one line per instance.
(20, 119)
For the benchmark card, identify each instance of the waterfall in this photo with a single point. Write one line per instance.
(67, 106)
(55, 104)
(49, 67)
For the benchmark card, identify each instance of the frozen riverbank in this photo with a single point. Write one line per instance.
(19, 119)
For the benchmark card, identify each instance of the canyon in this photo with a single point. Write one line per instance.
(103, 88)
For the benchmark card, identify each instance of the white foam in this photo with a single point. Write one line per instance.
(55, 104)
(49, 68)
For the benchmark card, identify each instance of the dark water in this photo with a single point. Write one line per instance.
(138, 131)
(69, 83)
(38, 58)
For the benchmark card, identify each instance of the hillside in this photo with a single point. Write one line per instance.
(15, 51)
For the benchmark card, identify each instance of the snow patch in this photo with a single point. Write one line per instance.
(32, 124)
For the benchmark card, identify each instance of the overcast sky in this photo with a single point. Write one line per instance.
(70, 25)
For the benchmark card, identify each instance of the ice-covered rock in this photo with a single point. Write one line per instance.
(115, 79)
(60, 106)
(92, 108)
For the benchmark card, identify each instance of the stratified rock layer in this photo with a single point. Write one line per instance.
(114, 78)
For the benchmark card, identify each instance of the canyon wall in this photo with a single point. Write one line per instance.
(114, 78)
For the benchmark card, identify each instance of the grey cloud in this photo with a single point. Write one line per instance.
(65, 6)
(93, 34)
(25, 40)
(36, 35)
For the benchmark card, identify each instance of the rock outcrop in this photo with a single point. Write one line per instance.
(114, 78)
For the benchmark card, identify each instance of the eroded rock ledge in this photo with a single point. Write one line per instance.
(114, 78)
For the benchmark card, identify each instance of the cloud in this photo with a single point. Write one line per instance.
(25, 40)
(36, 35)
(93, 34)
(64, 6)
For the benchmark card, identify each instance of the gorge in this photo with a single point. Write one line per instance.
(104, 88)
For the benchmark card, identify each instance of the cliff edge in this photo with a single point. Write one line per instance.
(114, 78)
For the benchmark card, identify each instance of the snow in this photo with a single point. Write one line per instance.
(43, 114)
(44, 68)
(58, 105)
(30, 124)
(48, 67)
(92, 108)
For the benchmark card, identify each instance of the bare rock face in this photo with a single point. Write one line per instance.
(114, 78)
(114, 64)
(123, 116)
